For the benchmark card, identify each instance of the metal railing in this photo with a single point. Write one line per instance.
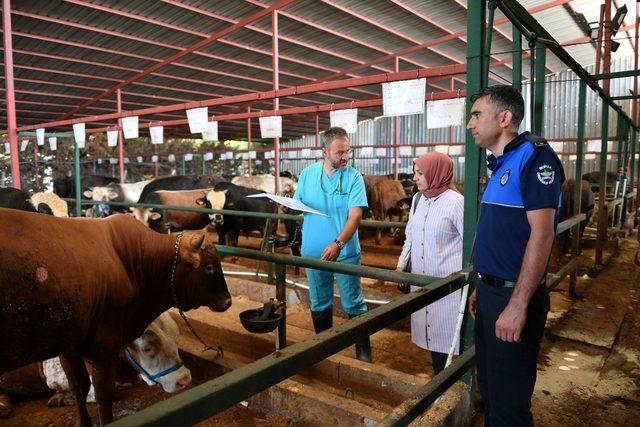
(211, 397)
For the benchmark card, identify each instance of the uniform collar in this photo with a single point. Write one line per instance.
(494, 162)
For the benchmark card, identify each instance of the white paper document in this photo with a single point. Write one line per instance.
(40, 136)
(53, 143)
(346, 119)
(294, 204)
(403, 97)
(112, 138)
(157, 134)
(445, 112)
(78, 134)
(211, 132)
(271, 127)
(197, 118)
(130, 127)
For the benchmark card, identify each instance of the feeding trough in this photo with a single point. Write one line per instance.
(262, 320)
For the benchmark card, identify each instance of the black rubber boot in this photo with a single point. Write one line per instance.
(363, 347)
(322, 320)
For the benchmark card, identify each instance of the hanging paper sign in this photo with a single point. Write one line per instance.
(366, 151)
(53, 143)
(130, 127)
(126, 160)
(40, 136)
(207, 157)
(7, 147)
(609, 157)
(154, 158)
(346, 119)
(157, 134)
(223, 156)
(558, 147)
(139, 159)
(23, 144)
(594, 146)
(455, 150)
(405, 151)
(78, 134)
(112, 138)
(245, 156)
(444, 149)
(421, 150)
(197, 118)
(188, 157)
(445, 112)
(113, 161)
(271, 127)
(171, 158)
(403, 97)
(99, 161)
(229, 155)
(381, 152)
(252, 154)
(306, 153)
(211, 132)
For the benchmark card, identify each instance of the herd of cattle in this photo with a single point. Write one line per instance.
(116, 276)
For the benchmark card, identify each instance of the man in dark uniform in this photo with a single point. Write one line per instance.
(513, 242)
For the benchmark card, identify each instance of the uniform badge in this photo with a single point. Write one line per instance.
(505, 177)
(546, 174)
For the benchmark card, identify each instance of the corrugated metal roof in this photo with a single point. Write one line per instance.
(107, 41)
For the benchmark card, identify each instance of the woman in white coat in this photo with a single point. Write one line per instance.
(433, 247)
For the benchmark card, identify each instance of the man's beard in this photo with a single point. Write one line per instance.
(337, 165)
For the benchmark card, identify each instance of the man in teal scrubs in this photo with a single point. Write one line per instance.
(337, 189)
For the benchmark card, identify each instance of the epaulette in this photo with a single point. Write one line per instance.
(537, 141)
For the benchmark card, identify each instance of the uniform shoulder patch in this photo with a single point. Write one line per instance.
(537, 141)
(546, 174)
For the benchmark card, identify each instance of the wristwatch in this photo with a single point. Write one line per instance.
(339, 243)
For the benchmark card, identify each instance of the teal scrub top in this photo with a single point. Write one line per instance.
(334, 196)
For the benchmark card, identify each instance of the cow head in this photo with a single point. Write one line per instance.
(214, 200)
(144, 215)
(401, 208)
(156, 352)
(101, 194)
(198, 277)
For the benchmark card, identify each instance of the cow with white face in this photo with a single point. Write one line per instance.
(154, 356)
(115, 192)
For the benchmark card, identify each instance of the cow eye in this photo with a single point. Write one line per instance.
(209, 269)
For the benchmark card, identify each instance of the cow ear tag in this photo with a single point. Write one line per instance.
(200, 201)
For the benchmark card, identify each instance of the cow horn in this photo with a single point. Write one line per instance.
(197, 242)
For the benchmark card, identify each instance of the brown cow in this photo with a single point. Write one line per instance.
(83, 288)
(387, 197)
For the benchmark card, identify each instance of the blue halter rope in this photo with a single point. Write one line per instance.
(144, 372)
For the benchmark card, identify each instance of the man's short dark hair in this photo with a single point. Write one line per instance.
(330, 134)
(504, 97)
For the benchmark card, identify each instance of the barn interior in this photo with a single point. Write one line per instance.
(133, 92)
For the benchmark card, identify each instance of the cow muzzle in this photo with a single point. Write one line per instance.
(216, 219)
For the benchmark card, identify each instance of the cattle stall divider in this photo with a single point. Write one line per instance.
(209, 398)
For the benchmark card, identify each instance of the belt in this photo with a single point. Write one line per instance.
(497, 282)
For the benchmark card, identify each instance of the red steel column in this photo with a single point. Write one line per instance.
(276, 101)
(37, 165)
(120, 137)
(600, 37)
(396, 131)
(317, 129)
(10, 91)
(249, 138)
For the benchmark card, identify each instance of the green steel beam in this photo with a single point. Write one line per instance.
(486, 49)
(602, 211)
(475, 25)
(539, 88)
(201, 402)
(623, 97)
(56, 134)
(409, 410)
(615, 75)
(518, 15)
(577, 191)
(516, 55)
